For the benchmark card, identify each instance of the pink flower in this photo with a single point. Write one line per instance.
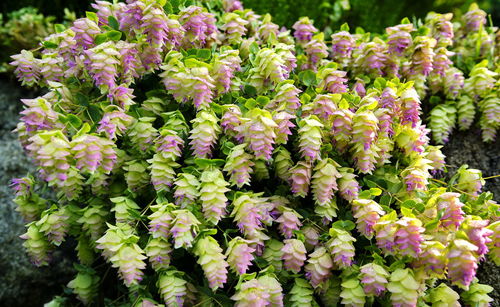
(294, 254)
(288, 222)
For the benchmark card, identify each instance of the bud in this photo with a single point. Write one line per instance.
(443, 295)
(289, 221)
(239, 166)
(374, 279)
(251, 293)
(318, 268)
(172, 288)
(310, 138)
(239, 255)
(212, 261)
(341, 247)
(186, 189)
(294, 254)
(403, 287)
(204, 134)
(85, 286)
(36, 245)
(300, 178)
(184, 228)
(352, 293)
(477, 294)
(367, 213)
(301, 294)
(158, 251)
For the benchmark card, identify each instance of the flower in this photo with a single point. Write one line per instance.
(212, 261)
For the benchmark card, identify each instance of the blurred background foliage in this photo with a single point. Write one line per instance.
(372, 15)
(22, 28)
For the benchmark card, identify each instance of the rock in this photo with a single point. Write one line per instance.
(466, 147)
(21, 283)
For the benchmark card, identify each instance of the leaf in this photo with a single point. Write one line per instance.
(100, 38)
(50, 45)
(59, 28)
(82, 100)
(360, 30)
(344, 27)
(168, 8)
(74, 121)
(380, 83)
(410, 203)
(250, 90)
(92, 16)
(113, 23)
(385, 200)
(136, 215)
(365, 194)
(204, 54)
(375, 191)
(262, 101)
(254, 48)
(307, 77)
(345, 225)
(94, 113)
(114, 35)
(205, 163)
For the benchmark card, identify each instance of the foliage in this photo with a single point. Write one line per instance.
(25, 29)
(211, 159)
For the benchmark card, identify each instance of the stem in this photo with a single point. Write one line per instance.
(452, 187)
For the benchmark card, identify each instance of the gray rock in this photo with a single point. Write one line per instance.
(21, 282)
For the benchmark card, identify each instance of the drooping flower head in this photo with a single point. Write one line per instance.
(304, 30)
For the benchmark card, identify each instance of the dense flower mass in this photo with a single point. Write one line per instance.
(204, 150)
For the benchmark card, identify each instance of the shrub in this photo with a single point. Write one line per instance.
(212, 159)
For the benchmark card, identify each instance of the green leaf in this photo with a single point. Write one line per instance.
(405, 21)
(114, 35)
(168, 8)
(360, 30)
(250, 90)
(344, 27)
(410, 203)
(307, 77)
(407, 212)
(254, 48)
(365, 194)
(94, 113)
(262, 101)
(432, 225)
(345, 225)
(100, 38)
(74, 121)
(113, 23)
(385, 200)
(250, 104)
(204, 54)
(380, 83)
(136, 215)
(92, 16)
(59, 28)
(161, 2)
(205, 163)
(375, 191)
(49, 45)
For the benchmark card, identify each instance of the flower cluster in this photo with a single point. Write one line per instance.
(215, 152)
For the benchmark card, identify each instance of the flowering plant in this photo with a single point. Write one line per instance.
(175, 135)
